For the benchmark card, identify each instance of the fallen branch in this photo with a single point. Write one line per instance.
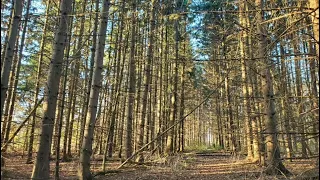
(106, 172)
(21, 125)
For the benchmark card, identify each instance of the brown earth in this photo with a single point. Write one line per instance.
(186, 166)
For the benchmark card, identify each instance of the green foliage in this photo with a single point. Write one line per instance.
(202, 148)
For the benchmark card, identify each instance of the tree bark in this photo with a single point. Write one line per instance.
(285, 104)
(41, 169)
(9, 53)
(315, 19)
(87, 91)
(86, 150)
(246, 101)
(10, 99)
(275, 165)
(63, 102)
(147, 81)
(299, 90)
(39, 69)
(4, 46)
(132, 83)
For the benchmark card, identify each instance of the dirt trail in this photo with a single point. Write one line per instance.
(187, 166)
(193, 166)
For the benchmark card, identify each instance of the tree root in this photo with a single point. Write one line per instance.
(280, 169)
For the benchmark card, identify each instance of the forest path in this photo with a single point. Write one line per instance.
(183, 166)
(194, 166)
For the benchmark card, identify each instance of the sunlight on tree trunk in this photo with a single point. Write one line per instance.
(41, 168)
(86, 150)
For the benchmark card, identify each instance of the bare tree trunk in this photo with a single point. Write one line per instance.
(4, 46)
(275, 165)
(315, 19)
(314, 97)
(246, 101)
(87, 94)
(299, 91)
(63, 101)
(73, 88)
(182, 107)
(58, 129)
(147, 81)
(113, 105)
(125, 97)
(174, 101)
(122, 129)
(139, 79)
(39, 69)
(86, 151)
(119, 76)
(57, 119)
(286, 106)
(10, 100)
(232, 126)
(9, 53)
(16, 70)
(261, 137)
(132, 83)
(41, 166)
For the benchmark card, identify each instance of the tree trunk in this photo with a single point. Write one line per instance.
(285, 104)
(174, 101)
(275, 165)
(147, 81)
(39, 69)
(16, 70)
(182, 108)
(41, 166)
(87, 93)
(86, 150)
(64, 84)
(9, 53)
(8, 111)
(4, 46)
(315, 19)
(300, 106)
(132, 83)
(246, 101)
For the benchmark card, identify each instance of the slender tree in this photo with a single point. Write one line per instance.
(275, 165)
(132, 83)
(86, 150)
(9, 53)
(315, 20)
(41, 169)
(147, 81)
(39, 69)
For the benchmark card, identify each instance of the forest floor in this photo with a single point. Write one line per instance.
(184, 166)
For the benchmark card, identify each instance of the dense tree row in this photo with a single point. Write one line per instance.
(125, 78)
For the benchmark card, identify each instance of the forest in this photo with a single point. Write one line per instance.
(159, 89)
